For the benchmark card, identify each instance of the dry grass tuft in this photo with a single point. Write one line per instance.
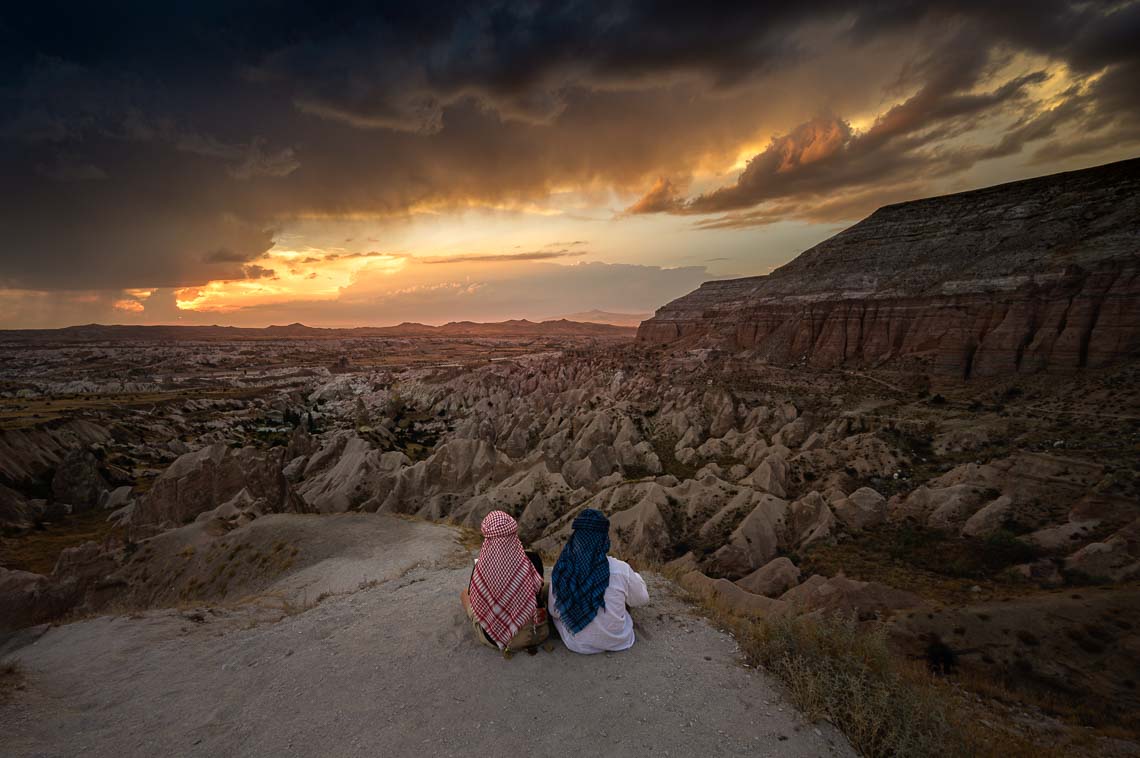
(11, 679)
(38, 550)
(843, 671)
(838, 670)
(468, 538)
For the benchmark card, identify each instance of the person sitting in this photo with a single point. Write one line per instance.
(505, 597)
(589, 590)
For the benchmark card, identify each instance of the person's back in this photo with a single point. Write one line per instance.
(591, 591)
(612, 628)
(504, 598)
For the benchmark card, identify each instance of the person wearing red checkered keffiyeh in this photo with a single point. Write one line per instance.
(504, 583)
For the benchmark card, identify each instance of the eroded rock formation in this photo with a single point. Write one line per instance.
(1035, 275)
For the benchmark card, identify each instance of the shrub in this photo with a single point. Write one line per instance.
(839, 670)
(11, 678)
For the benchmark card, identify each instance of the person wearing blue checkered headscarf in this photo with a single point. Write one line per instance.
(590, 591)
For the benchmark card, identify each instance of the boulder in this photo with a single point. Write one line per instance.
(237, 511)
(29, 598)
(457, 470)
(77, 481)
(842, 595)
(536, 496)
(945, 507)
(683, 565)
(1043, 572)
(356, 474)
(770, 476)
(989, 519)
(732, 597)
(116, 498)
(772, 579)
(792, 434)
(862, 509)
(1063, 536)
(808, 520)
(16, 511)
(755, 541)
(640, 530)
(206, 478)
(1117, 558)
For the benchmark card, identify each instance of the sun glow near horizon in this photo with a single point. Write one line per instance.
(283, 275)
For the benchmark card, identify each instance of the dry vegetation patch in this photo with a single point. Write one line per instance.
(11, 679)
(937, 566)
(37, 550)
(840, 670)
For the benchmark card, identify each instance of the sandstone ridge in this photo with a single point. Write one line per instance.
(1041, 274)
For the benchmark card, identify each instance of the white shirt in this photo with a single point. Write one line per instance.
(612, 628)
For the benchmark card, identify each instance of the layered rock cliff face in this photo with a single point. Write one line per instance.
(1042, 274)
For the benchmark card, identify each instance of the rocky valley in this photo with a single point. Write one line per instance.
(929, 423)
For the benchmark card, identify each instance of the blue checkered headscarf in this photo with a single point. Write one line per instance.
(582, 573)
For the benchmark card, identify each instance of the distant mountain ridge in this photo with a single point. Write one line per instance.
(597, 316)
(511, 328)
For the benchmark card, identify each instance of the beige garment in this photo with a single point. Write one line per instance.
(528, 635)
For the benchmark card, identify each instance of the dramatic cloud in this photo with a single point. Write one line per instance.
(535, 255)
(915, 138)
(663, 197)
(254, 271)
(144, 147)
(466, 292)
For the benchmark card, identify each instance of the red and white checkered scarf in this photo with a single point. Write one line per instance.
(504, 583)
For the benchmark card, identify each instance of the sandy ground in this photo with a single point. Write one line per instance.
(387, 668)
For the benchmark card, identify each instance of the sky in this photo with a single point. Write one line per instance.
(367, 163)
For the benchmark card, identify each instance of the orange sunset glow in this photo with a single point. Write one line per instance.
(462, 189)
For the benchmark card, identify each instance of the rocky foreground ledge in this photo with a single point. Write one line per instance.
(361, 648)
(1036, 275)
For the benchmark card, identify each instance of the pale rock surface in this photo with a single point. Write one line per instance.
(346, 473)
(862, 509)
(459, 469)
(770, 476)
(390, 631)
(808, 520)
(772, 579)
(736, 598)
(755, 541)
(843, 595)
(1116, 558)
(990, 518)
(1058, 538)
(16, 511)
(116, 498)
(77, 480)
(201, 480)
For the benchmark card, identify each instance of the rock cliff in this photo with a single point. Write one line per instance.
(1041, 274)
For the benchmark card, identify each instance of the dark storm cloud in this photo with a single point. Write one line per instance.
(138, 140)
(225, 255)
(254, 271)
(663, 197)
(824, 155)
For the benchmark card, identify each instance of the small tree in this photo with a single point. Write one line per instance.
(396, 406)
(362, 417)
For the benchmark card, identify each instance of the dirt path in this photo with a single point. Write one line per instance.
(389, 669)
